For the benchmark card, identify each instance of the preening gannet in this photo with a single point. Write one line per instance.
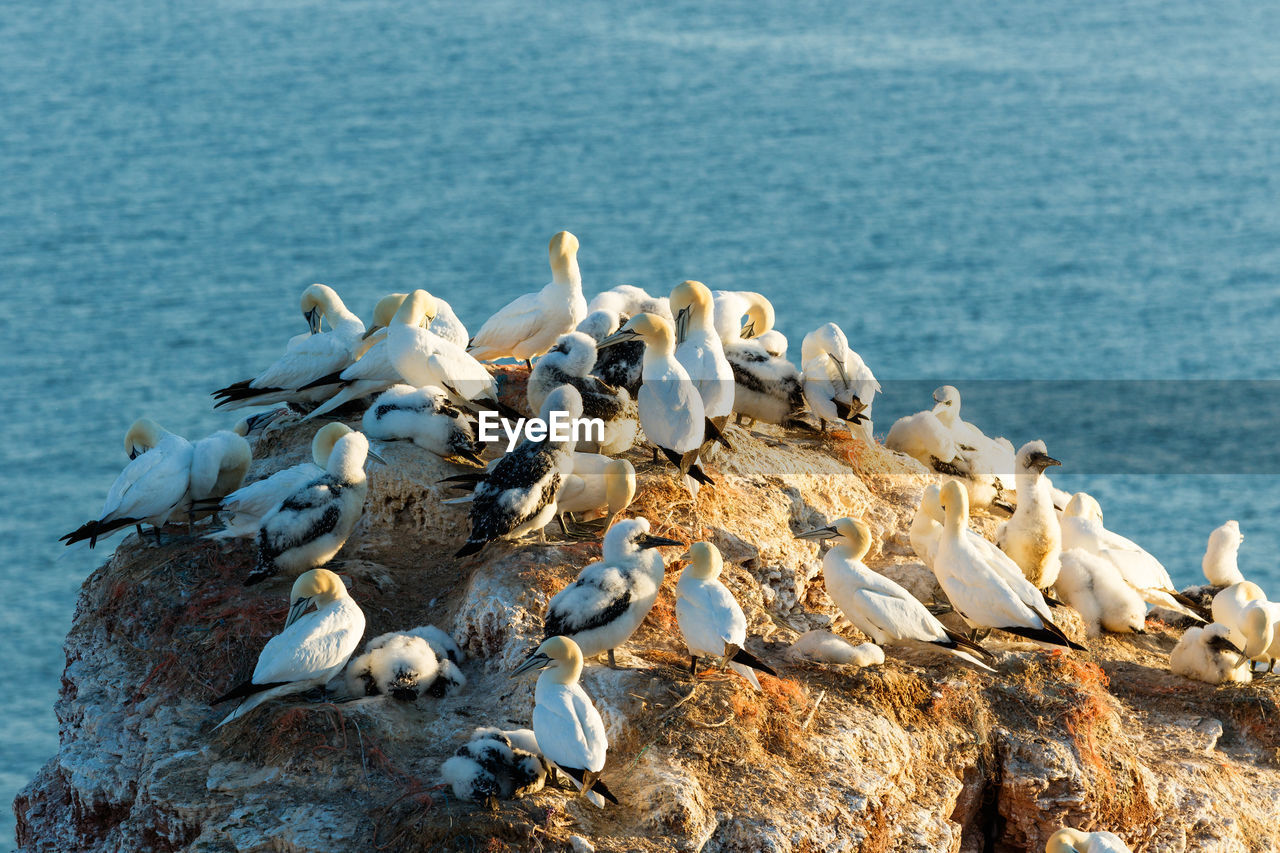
(826, 647)
(444, 323)
(529, 325)
(518, 494)
(926, 439)
(598, 483)
(1095, 589)
(1207, 654)
(838, 385)
(567, 725)
(310, 526)
(424, 416)
(671, 411)
(1220, 557)
(609, 599)
(701, 353)
(1033, 537)
(151, 488)
(774, 342)
(979, 589)
(617, 366)
(569, 362)
(305, 359)
(630, 300)
(926, 524)
(877, 606)
(1253, 622)
(219, 463)
(244, 509)
(496, 765)
(1075, 841)
(710, 618)
(404, 666)
(731, 306)
(312, 648)
(979, 455)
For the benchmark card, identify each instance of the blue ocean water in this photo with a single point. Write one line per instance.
(1061, 190)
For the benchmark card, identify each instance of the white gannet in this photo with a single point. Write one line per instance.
(444, 323)
(1082, 527)
(518, 494)
(569, 362)
(926, 525)
(496, 765)
(774, 342)
(926, 439)
(838, 385)
(404, 666)
(425, 417)
(244, 509)
(219, 462)
(979, 454)
(597, 483)
(1220, 557)
(312, 648)
(1033, 536)
(671, 412)
(983, 592)
(1095, 589)
(567, 725)
(877, 606)
(1229, 603)
(424, 358)
(700, 352)
(1207, 654)
(730, 306)
(605, 605)
(1075, 841)
(529, 325)
(710, 618)
(1253, 623)
(151, 488)
(618, 366)
(372, 371)
(630, 300)
(826, 647)
(306, 358)
(307, 528)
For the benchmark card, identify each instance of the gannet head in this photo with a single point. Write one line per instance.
(931, 502)
(704, 559)
(563, 399)
(350, 452)
(1257, 628)
(559, 655)
(774, 343)
(853, 533)
(691, 301)
(947, 395)
(318, 302)
(325, 438)
(256, 423)
(630, 536)
(654, 330)
(384, 311)
(1032, 458)
(143, 434)
(760, 316)
(1226, 539)
(1065, 841)
(619, 488)
(1083, 505)
(563, 251)
(954, 499)
(574, 353)
(418, 309)
(600, 324)
(827, 338)
(318, 587)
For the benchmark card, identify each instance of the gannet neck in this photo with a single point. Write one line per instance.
(346, 462)
(325, 438)
(656, 332)
(931, 503)
(619, 485)
(325, 299)
(142, 435)
(387, 307)
(1065, 841)
(760, 315)
(855, 537)
(367, 344)
(620, 541)
(705, 561)
(566, 398)
(955, 505)
(1255, 625)
(694, 297)
(563, 252)
(420, 306)
(566, 666)
(319, 585)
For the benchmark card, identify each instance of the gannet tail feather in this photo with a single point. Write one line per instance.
(1050, 634)
(745, 658)
(246, 688)
(970, 645)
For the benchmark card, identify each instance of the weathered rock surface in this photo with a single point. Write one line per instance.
(920, 754)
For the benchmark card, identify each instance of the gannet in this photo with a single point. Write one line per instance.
(926, 525)
(926, 439)
(1099, 594)
(877, 606)
(838, 385)
(710, 618)
(979, 454)
(404, 666)
(305, 359)
(425, 417)
(766, 388)
(529, 325)
(774, 343)
(1220, 557)
(597, 483)
(979, 589)
(243, 509)
(826, 647)
(1207, 654)
(618, 366)
(312, 648)
(444, 644)
(310, 526)
(1229, 602)
(219, 462)
(630, 300)
(1075, 841)
(609, 599)
(518, 495)
(1033, 537)
(700, 352)
(150, 489)
(730, 306)
(671, 411)
(569, 362)
(496, 765)
(1253, 622)
(1082, 528)
(567, 725)
(444, 323)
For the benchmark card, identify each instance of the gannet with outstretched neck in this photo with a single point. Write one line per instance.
(710, 618)
(569, 362)
(1033, 537)
(1220, 564)
(531, 324)
(701, 353)
(838, 385)
(1075, 841)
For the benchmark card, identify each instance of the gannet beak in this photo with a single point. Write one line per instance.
(260, 421)
(621, 336)
(687, 555)
(748, 331)
(532, 663)
(375, 457)
(819, 534)
(648, 541)
(682, 324)
(134, 454)
(296, 610)
(1040, 461)
(844, 377)
(370, 332)
(313, 320)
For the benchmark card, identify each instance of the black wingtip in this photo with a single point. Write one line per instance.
(701, 476)
(963, 642)
(1052, 635)
(600, 789)
(711, 432)
(470, 548)
(745, 658)
(243, 689)
(329, 379)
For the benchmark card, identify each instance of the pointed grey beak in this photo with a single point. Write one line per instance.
(375, 457)
(844, 377)
(370, 332)
(532, 663)
(819, 534)
(296, 610)
(748, 331)
(261, 421)
(313, 320)
(682, 324)
(621, 336)
(648, 541)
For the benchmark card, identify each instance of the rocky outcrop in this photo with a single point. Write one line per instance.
(920, 754)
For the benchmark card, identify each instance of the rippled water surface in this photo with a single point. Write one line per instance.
(1060, 190)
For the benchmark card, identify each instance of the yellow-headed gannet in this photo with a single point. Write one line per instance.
(1207, 654)
(1033, 536)
(424, 416)
(710, 618)
(443, 323)
(496, 765)
(877, 606)
(1075, 841)
(219, 463)
(312, 648)
(838, 385)
(404, 666)
(597, 483)
(701, 353)
(1220, 557)
(531, 324)
(730, 307)
(1095, 589)
(569, 362)
(609, 599)
(567, 725)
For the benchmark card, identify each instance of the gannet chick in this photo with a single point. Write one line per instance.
(630, 300)
(729, 307)
(530, 325)
(1207, 654)
(444, 644)
(569, 362)
(774, 342)
(766, 388)
(1082, 527)
(518, 495)
(305, 359)
(494, 766)
(1033, 537)
(597, 483)
(312, 648)
(605, 605)
(979, 456)
(404, 666)
(219, 462)
(244, 509)
(979, 589)
(567, 725)
(710, 618)
(617, 366)
(150, 489)
(425, 417)
(826, 647)
(1095, 589)
(1220, 557)
(926, 439)
(838, 385)
(701, 353)
(310, 526)
(1075, 841)
(877, 606)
